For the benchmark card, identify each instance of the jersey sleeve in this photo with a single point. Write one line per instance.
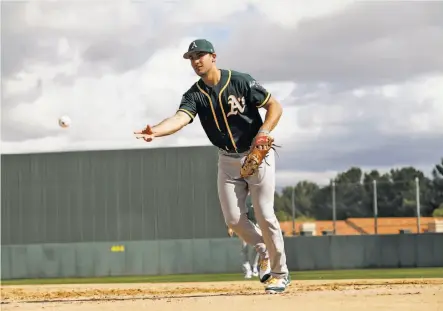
(188, 106)
(258, 95)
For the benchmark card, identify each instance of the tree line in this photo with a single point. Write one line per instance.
(353, 194)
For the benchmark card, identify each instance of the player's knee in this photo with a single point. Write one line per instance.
(233, 222)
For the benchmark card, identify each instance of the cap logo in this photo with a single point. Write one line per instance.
(193, 45)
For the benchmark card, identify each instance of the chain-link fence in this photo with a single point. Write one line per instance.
(377, 206)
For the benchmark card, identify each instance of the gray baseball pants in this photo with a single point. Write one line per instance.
(246, 256)
(233, 190)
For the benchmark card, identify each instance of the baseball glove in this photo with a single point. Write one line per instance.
(262, 145)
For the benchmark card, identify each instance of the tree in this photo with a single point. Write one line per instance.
(437, 174)
(434, 194)
(351, 195)
(304, 192)
(404, 188)
(438, 212)
(280, 207)
(354, 194)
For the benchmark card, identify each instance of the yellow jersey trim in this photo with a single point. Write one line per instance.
(210, 104)
(187, 112)
(223, 110)
(265, 101)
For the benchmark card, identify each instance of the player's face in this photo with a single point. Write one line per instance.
(202, 62)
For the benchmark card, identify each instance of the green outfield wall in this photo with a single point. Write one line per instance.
(110, 195)
(215, 256)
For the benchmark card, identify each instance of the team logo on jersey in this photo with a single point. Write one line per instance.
(237, 105)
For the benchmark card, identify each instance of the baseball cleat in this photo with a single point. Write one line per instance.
(277, 285)
(264, 269)
(247, 270)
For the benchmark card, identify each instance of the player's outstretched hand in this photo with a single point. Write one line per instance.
(146, 134)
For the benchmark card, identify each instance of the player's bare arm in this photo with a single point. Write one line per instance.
(166, 127)
(171, 125)
(273, 114)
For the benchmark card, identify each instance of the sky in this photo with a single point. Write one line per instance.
(361, 82)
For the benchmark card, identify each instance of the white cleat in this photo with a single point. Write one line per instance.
(277, 285)
(247, 270)
(264, 269)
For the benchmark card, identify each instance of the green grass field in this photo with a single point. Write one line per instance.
(299, 275)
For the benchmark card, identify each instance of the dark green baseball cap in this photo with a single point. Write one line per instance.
(199, 45)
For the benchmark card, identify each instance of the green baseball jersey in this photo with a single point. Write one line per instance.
(228, 111)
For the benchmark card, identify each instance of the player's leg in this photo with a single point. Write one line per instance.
(262, 188)
(246, 265)
(232, 194)
(244, 252)
(255, 264)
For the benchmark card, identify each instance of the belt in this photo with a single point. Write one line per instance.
(233, 153)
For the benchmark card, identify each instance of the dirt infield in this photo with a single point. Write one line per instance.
(361, 295)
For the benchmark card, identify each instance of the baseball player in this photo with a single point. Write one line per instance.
(227, 103)
(249, 269)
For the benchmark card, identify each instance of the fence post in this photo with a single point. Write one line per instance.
(375, 207)
(417, 200)
(334, 207)
(293, 210)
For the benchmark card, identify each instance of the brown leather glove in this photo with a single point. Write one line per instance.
(260, 148)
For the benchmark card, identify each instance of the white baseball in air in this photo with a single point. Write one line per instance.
(64, 121)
